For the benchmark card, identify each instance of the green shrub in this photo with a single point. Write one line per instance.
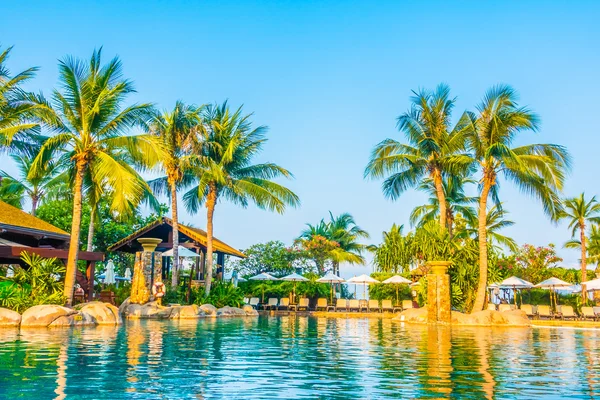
(222, 294)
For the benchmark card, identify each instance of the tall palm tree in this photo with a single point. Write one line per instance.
(223, 169)
(457, 202)
(343, 230)
(90, 123)
(178, 130)
(537, 169)
(434, 148)
(33, 186)
(581, 214)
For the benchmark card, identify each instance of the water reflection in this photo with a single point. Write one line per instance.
(301, 357)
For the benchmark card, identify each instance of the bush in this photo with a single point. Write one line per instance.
(38, 283)
(222, 294)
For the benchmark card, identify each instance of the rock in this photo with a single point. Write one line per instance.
(230, 312)
(186, 312)
(413, 315)
(145, 311)
(124, 305)
(44, 315)
(492, 318)
(249, 310)
(103, 313)
(209, 309)
(77, 319)
(9, 318)
(516, 318)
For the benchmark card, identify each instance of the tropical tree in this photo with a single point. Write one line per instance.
(343, 230)
(581, 213)
(177, 130)
(223, 169)
(434, 148)
(395, 253)
(536, 169)
(495, 222)
(90, 122)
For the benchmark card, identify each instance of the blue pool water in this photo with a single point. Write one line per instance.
(298, 357)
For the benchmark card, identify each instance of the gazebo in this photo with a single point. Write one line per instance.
(190, 238)
(22, 232)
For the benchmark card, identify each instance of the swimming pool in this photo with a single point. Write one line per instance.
(298, 357)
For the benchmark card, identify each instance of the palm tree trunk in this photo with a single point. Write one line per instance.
(336, 267)
(483, 249)
(583, 262)
(174, 217)
(90, 237)
(75, 232)
(34, 203)
(211, 201)
(439, 191)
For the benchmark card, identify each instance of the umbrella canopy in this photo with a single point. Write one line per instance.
(294, 278)
(263, 276)
(362, 279)
(331, 278)
(493, 285)
(240, 279)
(592, 285)
(398, 280)
(183, 252)
(109, 275)
(515, 283)
(127, 274)
(552, 282)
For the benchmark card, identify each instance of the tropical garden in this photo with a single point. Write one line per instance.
(84, 153)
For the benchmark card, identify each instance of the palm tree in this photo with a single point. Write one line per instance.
(223, 169)
(33, 186)
(495, 221)
(177, 130)
(537, 169)
(343, 230)
(394, 254)
(581, 213)
(457, 202)
(433, 150)
(90, 122)
(316, 241)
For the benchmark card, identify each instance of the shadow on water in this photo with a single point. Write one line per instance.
(299, 357)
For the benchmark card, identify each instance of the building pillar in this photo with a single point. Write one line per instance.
(438, 293)
(147, 270)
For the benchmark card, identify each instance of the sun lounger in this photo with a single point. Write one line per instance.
(528, 308)
(491, 307)
(321, 304)
(406, 304)
(544, 312)
(386, 305)
(341, 305)
(566, 312)
(374, 306)
(504, 307)
(353, 304)
(303, 303)
(246, 300)
(284, 302)
(588, 313)
(363, 305)
(254, 302)
(272, 304)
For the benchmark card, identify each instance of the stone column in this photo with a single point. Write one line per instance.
(146, 271)
(438, 292)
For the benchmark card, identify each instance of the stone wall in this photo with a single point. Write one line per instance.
(144, 274)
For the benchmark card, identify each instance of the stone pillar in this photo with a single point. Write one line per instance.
(146, 271)
(438, 292)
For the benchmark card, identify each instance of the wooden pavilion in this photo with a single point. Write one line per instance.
(22, 232)
(191, 238)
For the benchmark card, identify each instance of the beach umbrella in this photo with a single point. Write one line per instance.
(362, 280)
(263, 276)
(552, 284)
(127, 274)
(515, 283)
(331, 278)
(397, 280)
(109, 274)
(592, 285)
(294, 278)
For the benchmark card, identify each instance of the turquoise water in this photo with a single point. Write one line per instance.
(298, 357)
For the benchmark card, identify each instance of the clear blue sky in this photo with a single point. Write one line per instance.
(329, 79)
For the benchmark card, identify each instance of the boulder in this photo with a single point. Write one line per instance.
(124, 306)
(103, 313)
(491, 318)
(249, 310)
(9, 318)
(145, 311)
(413, 315)
(209, 309)
(78, 319)
(186, 312)
(44, 315)
(230, 312)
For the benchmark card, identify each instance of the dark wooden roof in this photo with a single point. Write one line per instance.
(162, 228)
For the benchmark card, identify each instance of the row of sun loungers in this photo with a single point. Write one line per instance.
(323, 305)
(546, 312)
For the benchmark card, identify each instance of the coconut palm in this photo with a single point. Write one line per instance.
(343, 230)
(434, 148)
(223, 170)
(581, 214)
(537, 169)
(90, 122)
(457, 202)
(495, 222)
(177, 130)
